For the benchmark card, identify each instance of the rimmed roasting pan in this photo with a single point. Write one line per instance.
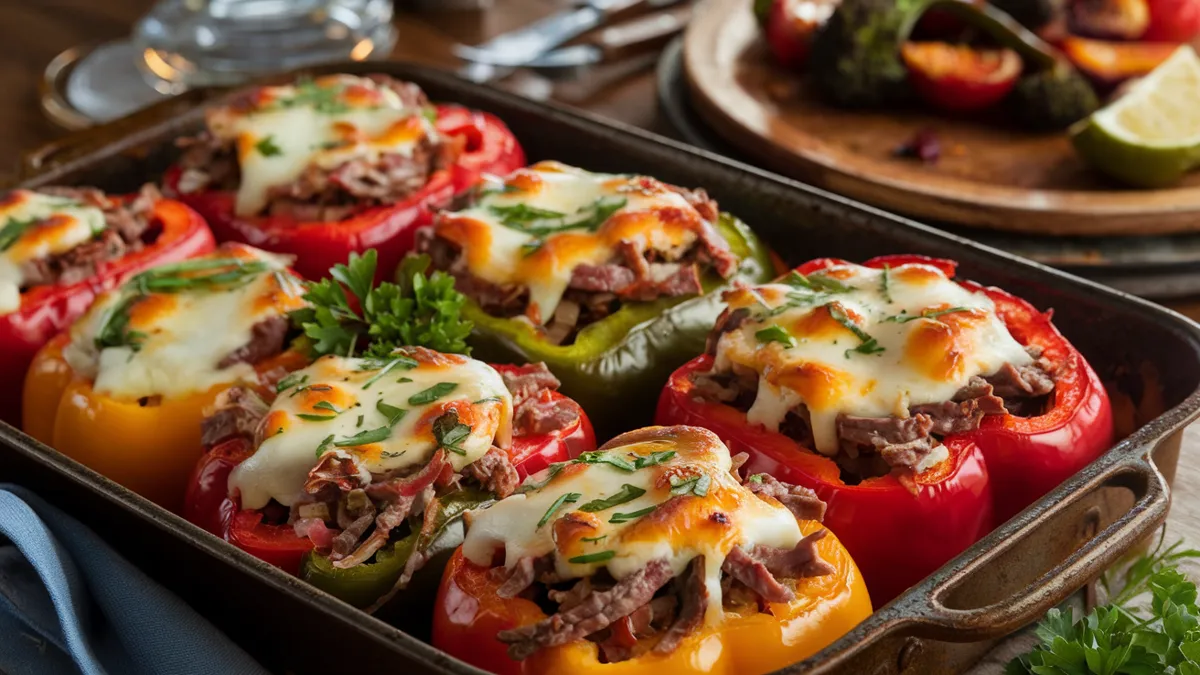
(1149, 358)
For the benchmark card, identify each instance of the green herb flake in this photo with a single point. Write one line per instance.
(533, 486)
(489, 399)
(13, 230)
(597, 457)
(542, 222)
(365, 438)
(399, 362)
(390, 412)
(602, 556)
(868, 344)
(267, 146)
(292, 380)
(756, 478)
(568, 498)
(696, 485)
(450, 433)
(885, 284)
(816, 282)
(904, 317)
(653, 459)
(775, 334)
(594, 540)
(404, 380)
(627, 493)
(307, 417)
(432, 394)
(324, 445)
(618, 518)
(358, 424)
(326, 405)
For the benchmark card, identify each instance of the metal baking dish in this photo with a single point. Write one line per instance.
(1148, 356)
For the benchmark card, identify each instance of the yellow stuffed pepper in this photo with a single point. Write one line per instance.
(125, 389)
(655, 557)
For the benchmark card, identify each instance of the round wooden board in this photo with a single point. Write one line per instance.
(989, 175)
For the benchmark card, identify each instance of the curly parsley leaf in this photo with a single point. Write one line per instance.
(418, 309)
(1123, 638)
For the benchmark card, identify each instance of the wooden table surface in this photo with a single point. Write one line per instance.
(34, 32)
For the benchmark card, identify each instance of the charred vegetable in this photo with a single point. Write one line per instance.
(1032, 14)
(1053, 99)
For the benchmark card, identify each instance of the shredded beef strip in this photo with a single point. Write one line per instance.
(801, 501)
(597, 611)
(694, 592)
(522, 575)
(127, 224)
(266, 340)
(745, 568)
(237, 412)
(535, 410)
(527, 380)
(337, 469)
(800, 562)
(495, 472)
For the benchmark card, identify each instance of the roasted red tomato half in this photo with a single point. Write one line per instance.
(64, 246)
(790, 27)
(937, 408)
(340, 164)
(547, 427)
(955, 78)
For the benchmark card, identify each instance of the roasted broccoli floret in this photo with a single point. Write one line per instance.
(855, 58)
(1053, 99)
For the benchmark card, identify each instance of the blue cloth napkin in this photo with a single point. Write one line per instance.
(70, 604)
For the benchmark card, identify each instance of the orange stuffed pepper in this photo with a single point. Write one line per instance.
(125, 389)
(655, 557)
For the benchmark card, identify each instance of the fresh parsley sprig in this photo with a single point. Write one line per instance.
(1121, 638)
(418, 309)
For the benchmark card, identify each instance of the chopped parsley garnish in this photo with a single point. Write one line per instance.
(541, 222)
(817, 283)
(597, 457)
(627, 493)
(568, 498)
(529, 248)
(359, 422)
(926, 314)
(365, 437)
(326, 405)
(267, 147)
(868, 344)
(392, 455)
(756, 478)
(398, 362)
(489, 399)
(554, 469)
(404, 380)
(593, 557)
(308, 93)
(430, 115)
(450, 433)
(696, 485)
(391, 412)
(775, 334)
(885, 284)
(432, 394)
(292, 380)
(594, 540)
(12, 230)
(114, 326)
(324, 445)
(653, 459)
(618, 518)
(418, 310)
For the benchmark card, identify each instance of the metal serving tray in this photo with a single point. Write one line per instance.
(1148, 356)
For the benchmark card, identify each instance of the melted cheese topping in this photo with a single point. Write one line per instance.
(520, 231)
(324, 123)
(35, 226)
(336, 399)
(930, 335)
(677, 530)
(180, 339)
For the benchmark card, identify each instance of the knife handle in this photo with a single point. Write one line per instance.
(647, 32)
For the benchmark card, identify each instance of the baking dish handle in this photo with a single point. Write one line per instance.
(81, 143)
(1152, 500)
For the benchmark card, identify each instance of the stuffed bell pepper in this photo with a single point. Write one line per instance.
(61, 247)
(359, 469)
(608, 279)
(338, 164)
(919, 408)
(125, 389)
(649, 555)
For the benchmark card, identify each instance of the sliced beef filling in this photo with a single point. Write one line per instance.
(321, 194)
(129, 226)
(536, 410)
(596, 291)
(876, 446)
(657, 611)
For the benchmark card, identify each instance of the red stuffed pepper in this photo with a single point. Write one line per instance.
(649, 555)
(915, 406)
(357, 472)
(337, 164)
(61, 247)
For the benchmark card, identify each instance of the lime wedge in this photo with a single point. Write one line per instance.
(1150, 136)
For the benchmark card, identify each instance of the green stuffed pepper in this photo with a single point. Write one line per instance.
(610, 280)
